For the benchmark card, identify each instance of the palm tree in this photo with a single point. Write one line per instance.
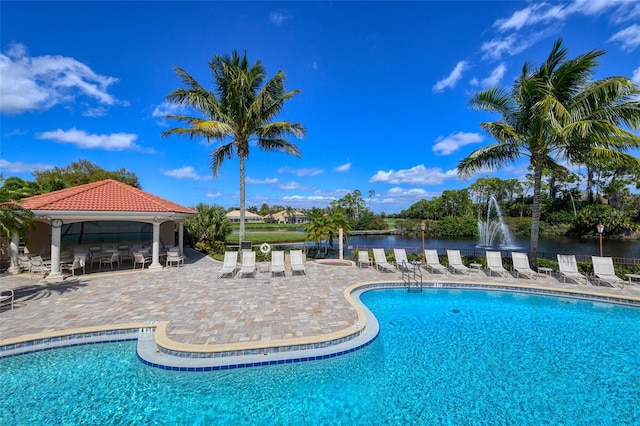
(324, 225)
(556, 111)
(15, 220)
(209, 225)
(239, 112)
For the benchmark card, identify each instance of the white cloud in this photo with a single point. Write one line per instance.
(186, 172)
(495, 77)
(450, 144)
(636, 76)
(507, 46)
(547, 12)
(213, 195)
(411, 193)
(419, 175)
(278, 17)
(168, 108)
(531, 15)
(300, 172)
(95, 112)
(453, 78)
(629, 37)
(307, 198)
(343, 168)
(84, 140)
(290, 186)
(16, 132)
(38, 83)
(400, 197)
(595, 7)
(20, 167)
(261, 182)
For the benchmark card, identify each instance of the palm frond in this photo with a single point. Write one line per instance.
(282, 128)
(197, 127)
(224, 152)
(495, 100)
(489, 157)
(279, 145)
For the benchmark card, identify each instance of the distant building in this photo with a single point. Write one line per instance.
(285, 217)
(234, 216)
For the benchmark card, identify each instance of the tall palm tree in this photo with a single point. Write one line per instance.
(239, 112)
(555, 112)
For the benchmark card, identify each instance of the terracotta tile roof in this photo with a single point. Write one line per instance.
(104, 195)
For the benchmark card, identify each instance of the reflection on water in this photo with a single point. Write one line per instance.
(550, 245)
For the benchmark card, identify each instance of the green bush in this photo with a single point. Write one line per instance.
(456, 227)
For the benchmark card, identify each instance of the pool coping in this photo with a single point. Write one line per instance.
(156, 349)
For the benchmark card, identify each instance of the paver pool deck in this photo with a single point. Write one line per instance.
(203, 310)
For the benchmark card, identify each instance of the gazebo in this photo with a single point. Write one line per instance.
(110, 206)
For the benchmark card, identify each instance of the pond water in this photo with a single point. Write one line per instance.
(547, 245)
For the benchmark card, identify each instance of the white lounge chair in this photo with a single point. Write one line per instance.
(78, 262)
(108, 259)
(455, 262)
(363, 258)
(229, 264)
(174, 257)
(380, 260)
(248, 264)
(24, 262)
(277, 263)
(521, 265)
(39, 267)
(297, 262)
(402, 263)
(569, 269)
(433, 262)
(604, 271)
(494, 263)
(141, 259)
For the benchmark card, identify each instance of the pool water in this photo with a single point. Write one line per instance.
(442, 357)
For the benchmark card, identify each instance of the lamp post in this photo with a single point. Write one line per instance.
(600, 228)
(422, 226)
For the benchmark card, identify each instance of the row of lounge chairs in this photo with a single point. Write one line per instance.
(248, 267)
(603, 269)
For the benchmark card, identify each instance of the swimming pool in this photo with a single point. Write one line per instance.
(442, 357)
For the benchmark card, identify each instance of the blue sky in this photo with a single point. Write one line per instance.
(384, 88)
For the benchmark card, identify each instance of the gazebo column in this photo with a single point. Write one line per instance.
(13, 253)
(155, 257)
(180, 237)
(55, 275)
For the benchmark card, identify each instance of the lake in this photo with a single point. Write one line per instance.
(547, 246)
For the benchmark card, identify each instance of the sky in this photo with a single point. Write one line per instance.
(384, 88)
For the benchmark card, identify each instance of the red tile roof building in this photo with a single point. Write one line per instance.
(106, 202)
(104, 195)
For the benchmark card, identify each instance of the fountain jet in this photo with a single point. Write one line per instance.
(494, 232)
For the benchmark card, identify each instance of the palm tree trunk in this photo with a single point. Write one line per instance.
(589, 185)
(242, 233)
(535, 216)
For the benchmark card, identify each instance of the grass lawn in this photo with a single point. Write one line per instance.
(268, 237)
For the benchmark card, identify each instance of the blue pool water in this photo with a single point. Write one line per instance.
(442, 357)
